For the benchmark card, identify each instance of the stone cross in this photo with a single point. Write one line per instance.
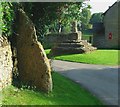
(74, 26)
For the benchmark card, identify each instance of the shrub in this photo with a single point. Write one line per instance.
(6, 18)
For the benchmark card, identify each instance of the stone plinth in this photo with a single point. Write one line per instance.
(60, 37)
(72, 45)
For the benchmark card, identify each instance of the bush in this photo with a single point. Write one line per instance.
(6, 18)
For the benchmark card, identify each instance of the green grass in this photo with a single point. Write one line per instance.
(102, 57)
(47, 51)
(65, 92)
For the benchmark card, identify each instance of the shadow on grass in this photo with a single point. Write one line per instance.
(65, 92)
(52, 56)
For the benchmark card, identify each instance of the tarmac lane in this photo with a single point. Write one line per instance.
(100, 80)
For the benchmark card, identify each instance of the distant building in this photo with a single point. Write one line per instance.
(106, 34)
(98, 35)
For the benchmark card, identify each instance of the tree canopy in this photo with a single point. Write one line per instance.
(46, 15)
(85, 19)
(6, 17)
(96, 17)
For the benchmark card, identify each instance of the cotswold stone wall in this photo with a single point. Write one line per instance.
(110, 26)
(51, 39)
(5, 63)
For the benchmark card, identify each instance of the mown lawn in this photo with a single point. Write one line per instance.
(65, 92)
(102, 57)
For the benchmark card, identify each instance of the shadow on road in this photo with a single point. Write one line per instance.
(101, 81)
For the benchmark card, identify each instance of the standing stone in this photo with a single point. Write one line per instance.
(33, 65)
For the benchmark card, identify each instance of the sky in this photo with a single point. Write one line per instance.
(100, 5)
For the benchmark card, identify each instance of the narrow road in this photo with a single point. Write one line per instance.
(100, 80)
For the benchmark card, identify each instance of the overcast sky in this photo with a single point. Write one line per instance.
(100, 5)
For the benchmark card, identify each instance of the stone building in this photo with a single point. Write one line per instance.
(98, 35)
(106, 34)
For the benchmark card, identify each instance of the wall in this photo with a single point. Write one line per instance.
(119, 26)
(99, 41)
(111, 25)
(98, 35)
(5, 63)
(50, 39)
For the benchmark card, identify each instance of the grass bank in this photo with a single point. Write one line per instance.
(65, 92)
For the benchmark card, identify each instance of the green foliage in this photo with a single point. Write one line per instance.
(74, 11)
(45, 15)
(1, 22)
(96, 18)
(6, 17)
(85, 19)
(47, 51)
(42, 14)
(61, 95)
(48, 15)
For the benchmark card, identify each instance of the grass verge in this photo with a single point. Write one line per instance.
(65, 92)
(102, 57)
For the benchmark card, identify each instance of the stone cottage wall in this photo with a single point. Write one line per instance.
(119, 25)
(5, 63)
(98, 35)
(99, 41)
(111, 26)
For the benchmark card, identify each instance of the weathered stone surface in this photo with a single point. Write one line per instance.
(33, 65)
(106, 34)
(50, 39)
(60, 37)
(72, 46)
(5, 63)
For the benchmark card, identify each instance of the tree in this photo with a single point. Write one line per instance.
(6, 18)
(46, 15)
(96, 18)
(85, 19)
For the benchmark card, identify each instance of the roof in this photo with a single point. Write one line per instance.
(110, 8)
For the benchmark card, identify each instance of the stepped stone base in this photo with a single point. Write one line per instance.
(73, 46)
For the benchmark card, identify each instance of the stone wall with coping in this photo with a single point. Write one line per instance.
(50, 39)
